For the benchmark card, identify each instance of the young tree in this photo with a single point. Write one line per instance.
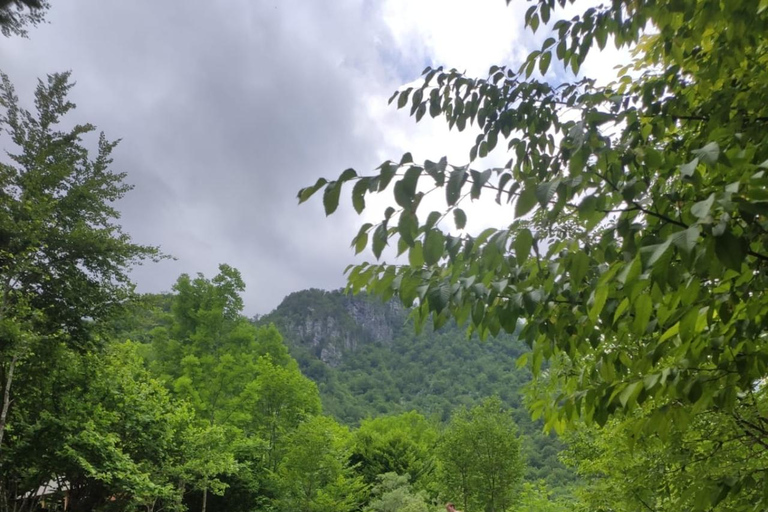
(207, 355)
(281, 398)
(314, 475)
(479, 458)
(63, 259)
(240, 379)
(403, 444)
(393, 493)
(636, 249)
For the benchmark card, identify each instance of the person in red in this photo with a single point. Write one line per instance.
(450, 507)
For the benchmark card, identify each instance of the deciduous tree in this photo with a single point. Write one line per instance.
(63, 258)
(634, 248)
(479, 458)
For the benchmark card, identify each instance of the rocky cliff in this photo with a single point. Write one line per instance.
(331, 324)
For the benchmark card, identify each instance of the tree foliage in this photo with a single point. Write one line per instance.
(636, 248)
(709, 463)
(63, 258)
(99, 425)
(393, 493)
(16, 15)
(402, 445)
(314, 473)
(479, 458)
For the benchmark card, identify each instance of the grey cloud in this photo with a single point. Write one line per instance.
(226, 109)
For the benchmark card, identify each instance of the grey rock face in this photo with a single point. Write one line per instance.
(332, 324)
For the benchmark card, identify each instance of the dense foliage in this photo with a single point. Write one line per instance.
(396, 371)
(636, 247)
(632, 267)
(63, 259)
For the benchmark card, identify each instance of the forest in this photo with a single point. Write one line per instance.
(599, 348)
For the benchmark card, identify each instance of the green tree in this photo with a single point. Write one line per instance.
(208, 456)
(99, 425)
(63, 259)
(281, 399)
(635, 249)
(393, 493)
(402, 445)
(479, 458)
(240, 379)
(536, 497)
(314, 474)
(707, 463)
(208, 353)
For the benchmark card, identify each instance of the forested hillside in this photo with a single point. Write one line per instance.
(379, 365)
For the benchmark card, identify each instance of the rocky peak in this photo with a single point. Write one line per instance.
(331, 324)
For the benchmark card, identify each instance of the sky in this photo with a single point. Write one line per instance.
(226, 108)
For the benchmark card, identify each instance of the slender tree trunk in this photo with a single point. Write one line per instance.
(6, 400)
(205, 498)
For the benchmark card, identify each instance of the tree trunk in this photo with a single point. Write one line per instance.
(6, 400)
(205, 498)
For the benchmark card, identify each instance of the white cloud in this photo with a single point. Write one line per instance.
(469, 36)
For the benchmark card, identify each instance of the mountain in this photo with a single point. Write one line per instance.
(330, 325)
(367, 360)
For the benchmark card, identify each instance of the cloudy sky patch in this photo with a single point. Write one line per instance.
(225, 109)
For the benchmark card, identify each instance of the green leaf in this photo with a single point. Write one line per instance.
(440, 296)
(522, 244)
(416, 255)
(622, 307)
(379, 240)
(579, 267)
(360, 242)
(689, 168)
(331, 197)
(308, 192)
(434, 245)
(686, 239)
(546, 191)
(347, 175)
(432, 219)
(403, 99)
(544, 61)
(630, 392)
(525, 201)
(478, 180)
(358, 195)
(402, 197)
(730, 250)
(455, 183)
(601, 294)
(708, 154)
(657, 251)
(436, 170)
(672, 331)
(703, 208)
(408, 226)
(643, 309)
(388, 171)
(460, 218)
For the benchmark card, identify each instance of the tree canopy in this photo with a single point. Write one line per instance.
(634, 246)
(64, 260)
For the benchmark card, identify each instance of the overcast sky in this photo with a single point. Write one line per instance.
(226, 108)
